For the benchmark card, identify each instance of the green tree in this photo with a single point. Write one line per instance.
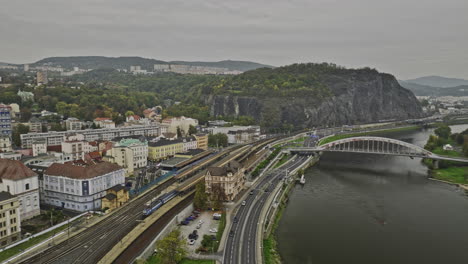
(17, 131)
(200, 199)
(179, 132)
(218, 140)
(129, 113)
(443, 131)
(192, 130)
(171, 249)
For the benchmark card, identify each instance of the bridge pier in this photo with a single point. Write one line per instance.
(435, 164)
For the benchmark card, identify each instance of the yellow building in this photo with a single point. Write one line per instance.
(202, 141)
(164, 148)
(10, 227)
(115, 197)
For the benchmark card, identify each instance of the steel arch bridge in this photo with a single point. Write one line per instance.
(375, 145)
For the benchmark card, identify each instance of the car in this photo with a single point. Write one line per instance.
(231, 233)
(213, 230)
(200, 222)
(244, 203)
(235, 219)
(251, 192)
(195, 232)
(191, 242)
(195, 237)
(198, 226)
(185, 222)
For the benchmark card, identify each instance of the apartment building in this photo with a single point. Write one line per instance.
(225, 183)
(10, 220)
(55, 138)
(130, 153)
(5, 120)
(179, 122)
(202, 141)
(19, 180)
(73, 124)
(80, 187)
(5, 143)
(104, 122)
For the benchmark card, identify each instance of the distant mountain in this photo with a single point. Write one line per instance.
(424, 90)
(96, 62)
(438, 81)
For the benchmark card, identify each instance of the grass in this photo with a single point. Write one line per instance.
(452, 174)
(283, 160)
(31, 242)
(219, 235)
(343, 136)
(270, 245)
(157, 260)
(450, 153)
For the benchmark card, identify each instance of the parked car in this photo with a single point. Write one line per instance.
(191, 242)
(213, 230)
(216, 216)
(198, 226)
(243, 202)
(185, 222)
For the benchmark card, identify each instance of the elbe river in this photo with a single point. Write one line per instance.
(358, 208)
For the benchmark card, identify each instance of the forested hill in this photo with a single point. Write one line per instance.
(97, 62)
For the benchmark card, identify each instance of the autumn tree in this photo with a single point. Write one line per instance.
(171, 249)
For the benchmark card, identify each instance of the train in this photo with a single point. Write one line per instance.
(155, 203)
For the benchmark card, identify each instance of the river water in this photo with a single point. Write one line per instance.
(358, 208)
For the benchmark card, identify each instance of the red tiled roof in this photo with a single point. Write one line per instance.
(102, 118)
(95, 155)
(81, 172)
(14, 170)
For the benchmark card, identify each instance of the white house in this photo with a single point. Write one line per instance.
(19, 180)
(80, 187)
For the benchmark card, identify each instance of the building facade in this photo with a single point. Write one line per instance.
(164, 148)
(39, 147)
(10, 219)
(225, 183)
(5, 143)
(73, 124)
(182, 122)
(35, 125)
(5, 119)
(55, 138)
(115, 197)
(104, 122)
(41, 77)
(130, 153)
(19, 180)
(80, 187)
(202, 141)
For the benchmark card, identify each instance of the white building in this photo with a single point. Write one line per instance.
(238, 134)
(183, 122)
(55, 138)
(73, 124)
(39, 146)
(189, 143)
(5, 143)
(76, 147)
(80, 187)
(19, 180)
(130, 153)
(10, 155)
(104, 122)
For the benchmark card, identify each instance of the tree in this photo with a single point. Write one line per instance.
(200, 198)
(25, 114)
(218, 140)
(17, 131)
(192, 130)
(443, 131)
(171, 249)
(218, 195)
(129, 113)
(179, 132)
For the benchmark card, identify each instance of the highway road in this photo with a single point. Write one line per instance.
(240, 246)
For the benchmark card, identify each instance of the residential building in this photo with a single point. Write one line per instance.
(19, 180)
(202, 141)
(131, 118)
(115, 197)
(57, 137)
(15, 110)
(238, 134)
(130, 153)
(39, 146)
(76, 147)
(26, 67)
(104, 122)
(5, 119)
(10, 219)
(10, 155)
(163, 148)
(225, 183)
(73, 124)
(189, 143)
(80, 187)
(35, 125)
(182, 122)
(41, 77)
(5, 143)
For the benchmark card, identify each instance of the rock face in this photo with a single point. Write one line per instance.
(357, 98)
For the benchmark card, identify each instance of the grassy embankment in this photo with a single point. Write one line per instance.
(31, 242)
(369, 133)
(156, 260)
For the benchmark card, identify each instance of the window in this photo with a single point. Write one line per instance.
(27, 186)
(8, 188)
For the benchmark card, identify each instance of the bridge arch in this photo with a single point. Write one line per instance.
(376, 145)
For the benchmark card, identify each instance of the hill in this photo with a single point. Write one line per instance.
(97, 62)
(438, 81)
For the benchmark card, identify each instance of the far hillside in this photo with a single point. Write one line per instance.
(438, 81)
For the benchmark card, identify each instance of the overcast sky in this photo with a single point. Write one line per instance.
(409, 38)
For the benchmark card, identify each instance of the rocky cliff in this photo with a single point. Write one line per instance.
(355, 97)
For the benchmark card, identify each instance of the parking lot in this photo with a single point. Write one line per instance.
(207, 223)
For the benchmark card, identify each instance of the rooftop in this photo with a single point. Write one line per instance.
(173, 161)
(232, 166)
(82, 171)
(5, 196)
(14, 170)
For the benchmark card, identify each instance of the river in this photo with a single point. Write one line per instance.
(357, 208)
